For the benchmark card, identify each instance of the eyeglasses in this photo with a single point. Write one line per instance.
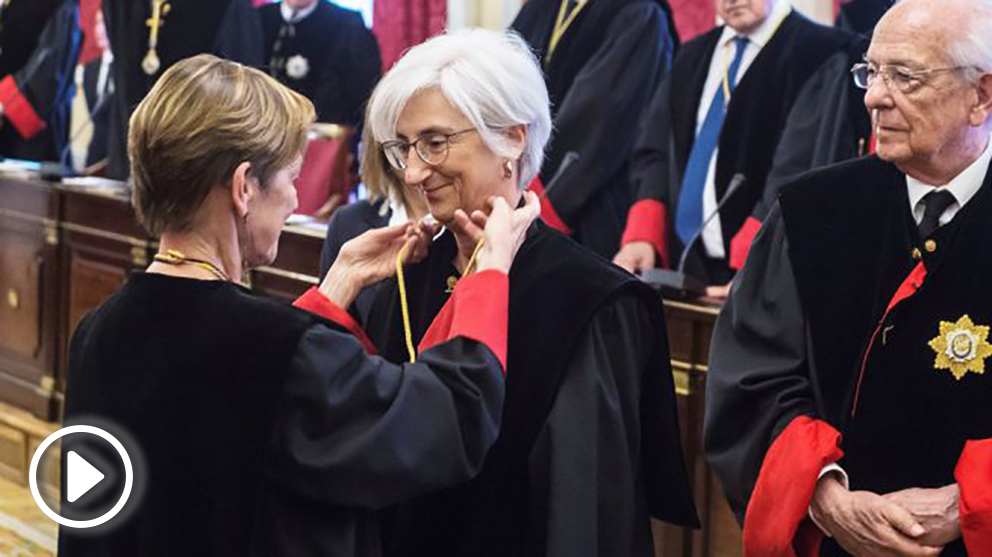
(902, 79)
(432, 148)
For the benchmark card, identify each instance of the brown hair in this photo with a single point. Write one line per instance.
(203, 118)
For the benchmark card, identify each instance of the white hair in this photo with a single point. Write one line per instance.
(972, 48)
(491, 77)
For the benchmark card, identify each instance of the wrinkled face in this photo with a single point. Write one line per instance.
(470, 173)
(932, 120)
(744, 16)
(268, 211)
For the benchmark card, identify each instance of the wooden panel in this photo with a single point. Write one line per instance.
(20, 305)
(91, 283)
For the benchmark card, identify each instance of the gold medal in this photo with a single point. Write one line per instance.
(151, 63)
(961, 347)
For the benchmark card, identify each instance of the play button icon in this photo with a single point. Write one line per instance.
(81, 476)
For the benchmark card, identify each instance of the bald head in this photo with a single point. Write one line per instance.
(930, 105)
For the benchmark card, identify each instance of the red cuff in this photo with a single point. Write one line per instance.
(974, 476)
(777, 519)
(741, 243)
(647, 221)
(315, 302)
(548, 212)
(478, 309)
(18, 110)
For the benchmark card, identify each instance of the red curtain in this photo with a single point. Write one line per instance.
(400, 24)
(693, 17)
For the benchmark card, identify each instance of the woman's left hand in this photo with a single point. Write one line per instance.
(371, 257)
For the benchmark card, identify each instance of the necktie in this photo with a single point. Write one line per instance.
(689, 218)
(934, 203)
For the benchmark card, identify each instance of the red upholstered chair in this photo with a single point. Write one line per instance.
(326, 176)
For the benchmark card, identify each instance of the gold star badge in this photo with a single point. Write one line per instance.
(961, 347)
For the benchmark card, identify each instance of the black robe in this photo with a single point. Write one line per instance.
(820, 325)
(21, 24)
(260, 429)
(589, 447)
(37, 98)
(341, 54)
(228, 28)
(828, 124)
(756, 116)
(600, 80)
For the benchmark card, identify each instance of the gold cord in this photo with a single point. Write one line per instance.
(404, 308)
(176, 257)
(562, 24)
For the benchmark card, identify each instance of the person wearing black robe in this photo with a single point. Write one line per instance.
(790, 48)
(600, 75)
(227, 28)
(847, 364)
(258, 429)
(325, 53)
(589, 449)
(36, 99)
(21, 24)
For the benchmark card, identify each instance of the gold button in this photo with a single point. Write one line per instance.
(452, 283)
(916, 254)
(930, 246)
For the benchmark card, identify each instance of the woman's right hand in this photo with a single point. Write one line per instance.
(505, 231)
(371, 257)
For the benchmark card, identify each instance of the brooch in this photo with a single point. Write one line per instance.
(961, 347)
(297, 67)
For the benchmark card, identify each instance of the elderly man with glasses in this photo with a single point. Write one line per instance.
(848, 399)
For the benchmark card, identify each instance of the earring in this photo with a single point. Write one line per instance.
(507, 168)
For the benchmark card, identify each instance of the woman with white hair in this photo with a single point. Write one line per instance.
(589, 447)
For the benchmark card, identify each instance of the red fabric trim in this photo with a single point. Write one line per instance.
(548, 212)
(909, 286)
(780, 502)
(18, 110)
(478, 309)
(741, 244)
(315, 302)
(647, 221)
(974, 475)
(872, 143)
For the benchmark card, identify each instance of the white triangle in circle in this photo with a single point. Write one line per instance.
(81, 476)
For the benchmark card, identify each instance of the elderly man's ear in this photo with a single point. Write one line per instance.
(982, 110)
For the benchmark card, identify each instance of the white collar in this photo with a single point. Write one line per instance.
(289, 16)
(963, 186)
(764, 32)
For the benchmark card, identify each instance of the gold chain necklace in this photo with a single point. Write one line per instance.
(176, 257)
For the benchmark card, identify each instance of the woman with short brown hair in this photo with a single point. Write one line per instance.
(265, 429)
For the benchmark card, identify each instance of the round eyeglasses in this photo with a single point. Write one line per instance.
(431, 147)
(902, 79)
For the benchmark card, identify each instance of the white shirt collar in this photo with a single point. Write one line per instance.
(289, 16)
(963, 187)
(764, 32)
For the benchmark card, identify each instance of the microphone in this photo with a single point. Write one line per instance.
(677, 282)
(568, 160)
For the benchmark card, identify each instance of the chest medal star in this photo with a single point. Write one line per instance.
(961, 347)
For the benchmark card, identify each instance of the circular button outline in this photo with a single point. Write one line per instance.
(33, 476)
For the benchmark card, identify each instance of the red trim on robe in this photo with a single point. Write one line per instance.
(18, 110)
(315, 302)
(741, 244)
(548, 213)
(974, 475)
(478, 309)
(647, 221)
(909, 286)
(872, 143)
(777, 522)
